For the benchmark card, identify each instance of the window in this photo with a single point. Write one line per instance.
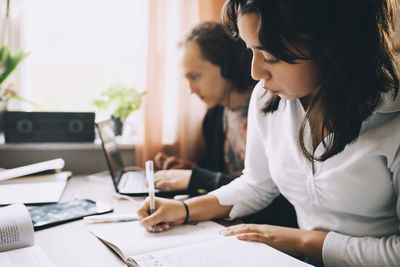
(79, 48)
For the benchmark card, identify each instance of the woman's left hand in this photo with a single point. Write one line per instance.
(295, 242)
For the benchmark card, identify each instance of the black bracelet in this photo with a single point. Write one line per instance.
(187, 212)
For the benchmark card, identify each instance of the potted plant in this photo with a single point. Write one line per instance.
(8, 63)
(119, 101)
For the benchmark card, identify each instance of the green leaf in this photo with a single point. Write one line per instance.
(9, 62)
(20, 98)
(119, 100)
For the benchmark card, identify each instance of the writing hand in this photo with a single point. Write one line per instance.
(168, 212)
(295, 242)
(172, 179)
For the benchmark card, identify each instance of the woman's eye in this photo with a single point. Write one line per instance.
(271, 61)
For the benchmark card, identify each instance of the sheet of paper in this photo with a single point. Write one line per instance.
(30, 256)
(33, 189)
(132, 239)
(225, 251)
(32, 168)
(16, 229)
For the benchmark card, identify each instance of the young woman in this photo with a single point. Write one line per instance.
(218, 71)
(323, 129)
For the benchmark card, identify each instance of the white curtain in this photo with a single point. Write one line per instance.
(172, 117)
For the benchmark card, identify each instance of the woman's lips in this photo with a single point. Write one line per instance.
(273, 92)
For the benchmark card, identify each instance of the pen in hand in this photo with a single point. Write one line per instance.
(150, 184)
(108, 218)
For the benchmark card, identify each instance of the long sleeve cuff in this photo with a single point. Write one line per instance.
(332, 250)
(226, 198)
(203, 180)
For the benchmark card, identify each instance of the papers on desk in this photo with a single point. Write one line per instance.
(34, 189)
(17, 246)
(187, 245)
(49, 165)
(36, 183)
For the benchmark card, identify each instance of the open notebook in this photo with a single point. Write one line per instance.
(197, 245)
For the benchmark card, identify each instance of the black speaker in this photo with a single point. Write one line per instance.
(33, 127)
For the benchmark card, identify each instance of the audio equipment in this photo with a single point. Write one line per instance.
(34, 127)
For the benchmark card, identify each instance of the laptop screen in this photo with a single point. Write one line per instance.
(112, 154)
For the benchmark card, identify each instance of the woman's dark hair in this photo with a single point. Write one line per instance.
(220, 49)
(352, 40)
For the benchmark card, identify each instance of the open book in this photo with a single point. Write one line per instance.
(187, 245)
(17, 247)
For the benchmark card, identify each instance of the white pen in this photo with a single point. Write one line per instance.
(111, 218)
(150, 184)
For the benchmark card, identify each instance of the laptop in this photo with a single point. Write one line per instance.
(132, 183)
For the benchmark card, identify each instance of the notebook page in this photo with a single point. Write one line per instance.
(222, 252)
(30, 256)
(132, 239)
(16, 229)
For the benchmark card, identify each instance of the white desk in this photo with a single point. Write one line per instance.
(71, 244)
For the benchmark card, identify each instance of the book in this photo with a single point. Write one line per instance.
(17, 244)
(35, 189)
(36, 168)
(195, 245)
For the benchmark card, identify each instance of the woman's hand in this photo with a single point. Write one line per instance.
(172, 179)
(164, 162)
(295, 242)
(167, 212)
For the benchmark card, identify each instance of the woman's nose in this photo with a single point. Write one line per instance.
(259, 69)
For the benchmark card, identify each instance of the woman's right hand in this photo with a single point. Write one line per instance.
(164, 162)
(168, 212)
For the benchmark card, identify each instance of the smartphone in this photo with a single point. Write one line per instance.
(54, 214)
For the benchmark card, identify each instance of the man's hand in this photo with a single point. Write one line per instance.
(164, 162)
(172, 179)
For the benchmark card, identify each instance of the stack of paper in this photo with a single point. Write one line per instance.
(23, 186)
(50, 165)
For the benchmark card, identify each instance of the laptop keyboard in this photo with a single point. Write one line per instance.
(133, 182)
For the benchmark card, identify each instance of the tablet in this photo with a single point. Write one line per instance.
(54, 214)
